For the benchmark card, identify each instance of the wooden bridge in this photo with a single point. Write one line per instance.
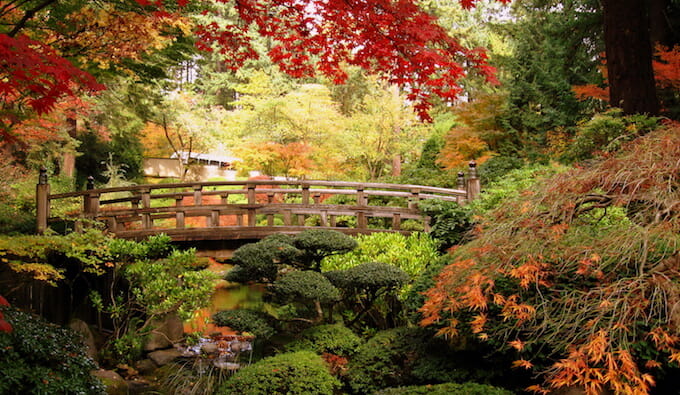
(253, 209)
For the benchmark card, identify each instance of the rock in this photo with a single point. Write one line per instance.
(115, 384)
(81, 327)
(141, 386)
(145, 366)
(164, 357)
(166, 332)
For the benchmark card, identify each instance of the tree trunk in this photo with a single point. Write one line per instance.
(629, 56)
(69, 157)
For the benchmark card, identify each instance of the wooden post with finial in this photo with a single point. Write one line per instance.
(473, 186)
(42, 201)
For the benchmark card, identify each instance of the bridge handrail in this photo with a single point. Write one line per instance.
(308, 183)
(264, 199)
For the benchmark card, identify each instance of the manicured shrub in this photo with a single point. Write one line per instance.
(446, 389)
(304, 286)
(406, 356)
(300, 372)
(334, 339)
(240, 320)
(317, 244)
(258, 262)
(371, 278)
(41, 358)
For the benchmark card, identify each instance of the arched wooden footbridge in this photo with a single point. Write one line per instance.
(233, 210)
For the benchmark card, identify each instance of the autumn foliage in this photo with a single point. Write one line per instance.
(666, 66)
(580, 277)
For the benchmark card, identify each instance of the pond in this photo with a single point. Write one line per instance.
(227, 296)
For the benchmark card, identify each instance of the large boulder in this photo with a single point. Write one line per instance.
(166, 332)
(83, 328)
(115, 383)
(164, 357)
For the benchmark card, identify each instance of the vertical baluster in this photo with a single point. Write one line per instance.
(42, 201)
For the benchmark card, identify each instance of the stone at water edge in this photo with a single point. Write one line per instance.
(115, 383)
(164, 357)
(166, 332)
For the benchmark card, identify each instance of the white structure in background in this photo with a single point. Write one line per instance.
(201, 167)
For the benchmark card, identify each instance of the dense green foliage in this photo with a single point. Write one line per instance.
(449, 220)
(301, 372)
(334, 339)
(41, 358)
(48, 258)
(240, 320)
(316, 244)
(303, 286)
(409, 253)
(446, 389)
(408, 356)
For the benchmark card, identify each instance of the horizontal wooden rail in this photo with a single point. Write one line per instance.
(239, 209)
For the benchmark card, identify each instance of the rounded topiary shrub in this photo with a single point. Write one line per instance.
(304, 285)
(300, 372)
(447, 389)
(334, 339)
(38, 357)
(240, 320)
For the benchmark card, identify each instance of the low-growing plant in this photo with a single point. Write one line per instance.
(446, 389)
(406, 356)
(334, 339)
(41, 358)
(301, 372)
(245, 321)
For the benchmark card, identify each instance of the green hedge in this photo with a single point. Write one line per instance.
(300, 372)
(334, 339)
(446, 389)
(41, 358)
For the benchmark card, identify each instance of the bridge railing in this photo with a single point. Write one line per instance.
(252, 208)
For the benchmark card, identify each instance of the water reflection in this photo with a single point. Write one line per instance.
(227, 296)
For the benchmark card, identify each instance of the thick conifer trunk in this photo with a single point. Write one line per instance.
(629, 56)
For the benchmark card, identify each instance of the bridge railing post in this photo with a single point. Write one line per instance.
(305, 193)
(42, 201)
(362, 221)
(198, 195)
(473, 186)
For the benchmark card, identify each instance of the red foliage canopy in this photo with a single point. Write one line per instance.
(393, 38)
(33, 76)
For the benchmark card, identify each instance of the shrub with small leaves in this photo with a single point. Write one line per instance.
(446, 389)
(240, 320)
(333, 339)
(41, 358)
(405, 356)
(304, 286)
(449, 220)
(257, 262)
(300, 372)
(317, 244)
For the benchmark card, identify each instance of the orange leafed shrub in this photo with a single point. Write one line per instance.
(579, 277)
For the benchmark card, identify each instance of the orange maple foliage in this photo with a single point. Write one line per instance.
(666, 64)
(596, 293)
